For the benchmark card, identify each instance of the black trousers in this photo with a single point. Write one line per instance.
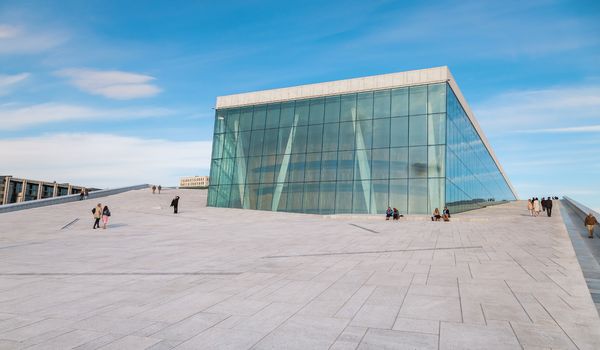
(97, 223)
(175, 210)
(549, 211)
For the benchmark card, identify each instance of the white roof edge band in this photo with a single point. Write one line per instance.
(375, 82)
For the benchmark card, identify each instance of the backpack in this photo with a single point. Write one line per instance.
(94, 211)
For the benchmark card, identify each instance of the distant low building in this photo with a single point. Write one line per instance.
(15, 190)
(194, 182)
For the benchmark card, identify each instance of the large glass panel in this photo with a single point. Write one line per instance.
(365, 105)
(417, 162)
(400, 102)
(227, 166)
(343, 197)
(436, 99)
(398, 197)
(253, 170)
(273, 116)
(381, 133)
(311, 198)
(345, 165)
(418, 100)
(417, 196)
(294, 197)
(299, 144)
(332, 109)
(233, 120)
(220, 121)
(399, 132)
(268, 169)
(436, 129)
(317, 109)
(436, 194)
(380, 164)
(327, 198)
(379, 196)
(348, 107)
(212, 195)
(364, 134)
(243, 144)
(223, 196)
(217, 151)
(330, 136)
(398, 162)
(362, 161)
(283, 140)
(296, 168)
(312, 168)
(315, 138)
(215, 171)
(417, 130)
(436, 161)
(259, 117)
(361, 197)
(265, 197)
(301, 112)
(381, 104)
(235, 198)
(246, 119)
(328, 166)
(256, 143)
(251, 196)
(270, 141)
(346, 140)
(239, 171)
(287, 114)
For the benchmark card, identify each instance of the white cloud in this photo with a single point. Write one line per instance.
(18, 40)
(18, 117)
(111, 84)
(105, 160)
(574, 129)
(9, 81)
(552, 108)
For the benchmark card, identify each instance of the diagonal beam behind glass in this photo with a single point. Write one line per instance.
(285, 163)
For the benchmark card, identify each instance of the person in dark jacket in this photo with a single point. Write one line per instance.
(549, 207)
(388, 213)
(105, 216)
(175, 204)
(589, 222)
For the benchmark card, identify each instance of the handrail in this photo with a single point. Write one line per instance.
(66, 199)
(580, 209)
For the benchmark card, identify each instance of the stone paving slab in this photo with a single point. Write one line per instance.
(213, 278)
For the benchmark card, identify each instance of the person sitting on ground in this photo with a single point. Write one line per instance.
(436, 215)
(446, 214)
(388, 213)
(589, 222)
(396, 214)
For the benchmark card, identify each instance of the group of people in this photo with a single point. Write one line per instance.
(83, 194)
(100, 212)
(445, 215)
(393, 213)
(154, 188)
(535, 206)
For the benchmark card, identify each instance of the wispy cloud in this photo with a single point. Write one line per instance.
(112, 84)
(105, 160)
(7, 82)
(19, 40)
(557, 107)
(574, 129)
(18, 117)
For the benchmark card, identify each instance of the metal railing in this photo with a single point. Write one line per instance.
(66, 199)
(581, 210)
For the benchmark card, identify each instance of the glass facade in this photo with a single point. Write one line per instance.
(353, 153)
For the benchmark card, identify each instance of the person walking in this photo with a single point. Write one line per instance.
(97, 212)
(153, 189)
(175, 204)
(105, 216)
(543, 203)
(536, 206)
(530, 206)
(549, 207)
(159, 188)
(81, 195)
(589, 222)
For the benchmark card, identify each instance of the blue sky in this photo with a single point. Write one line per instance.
(109, 93)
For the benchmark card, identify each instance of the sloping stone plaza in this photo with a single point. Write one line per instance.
(212, 278)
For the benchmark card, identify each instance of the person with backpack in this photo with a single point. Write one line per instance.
(105, 216)
(97, 212)
(589, 223)
(175, 204)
